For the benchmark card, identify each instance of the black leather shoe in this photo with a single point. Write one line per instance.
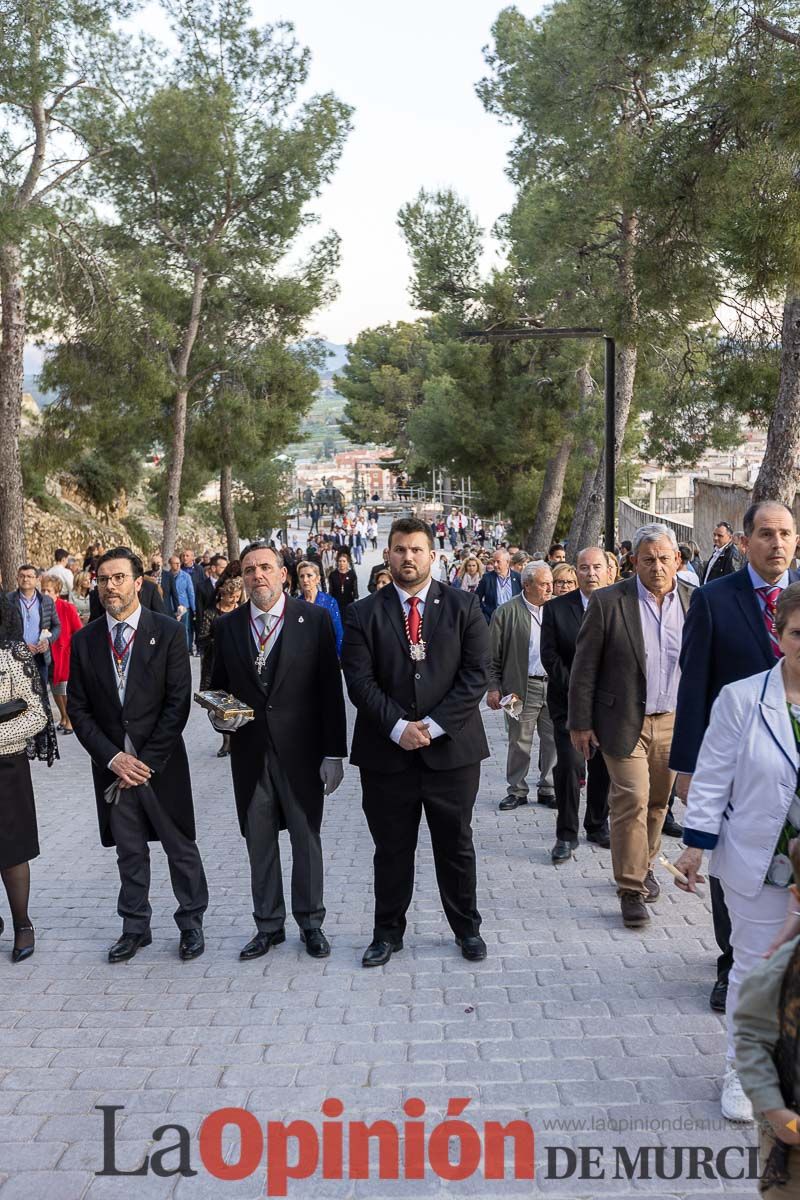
(473, 948)
(261, 943)
(317, 945)
(562, 851)
(127, 945)
(192, 944)
(600, 837)
(671, 828)
(547, 799)
(511, 802)
(719, 995)
(379, 952)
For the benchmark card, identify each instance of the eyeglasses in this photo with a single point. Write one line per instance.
(117, 580)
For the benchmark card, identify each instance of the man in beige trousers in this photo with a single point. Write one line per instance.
(622, 696)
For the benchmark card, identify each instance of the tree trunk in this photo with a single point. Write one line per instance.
(227, 510)
(777, 478)
(575, 538)
(540, 534)
(178, 445)
(12, 345)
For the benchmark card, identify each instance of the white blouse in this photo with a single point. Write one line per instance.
(15, 684)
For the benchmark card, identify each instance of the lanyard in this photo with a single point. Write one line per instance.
(264, 638)
(120, 658)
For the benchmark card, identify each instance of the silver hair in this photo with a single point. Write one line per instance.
(533, 568)
(651, 533)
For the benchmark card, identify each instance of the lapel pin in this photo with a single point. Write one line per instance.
(152, 641)
(436, 602)
(300, 620)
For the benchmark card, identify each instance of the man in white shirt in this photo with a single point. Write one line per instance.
(60, 568)
(516, 668)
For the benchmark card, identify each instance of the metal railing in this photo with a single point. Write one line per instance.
(631, 517)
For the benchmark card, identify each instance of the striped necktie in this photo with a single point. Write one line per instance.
(770, 596)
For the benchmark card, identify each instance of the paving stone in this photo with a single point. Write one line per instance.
(570, 1014)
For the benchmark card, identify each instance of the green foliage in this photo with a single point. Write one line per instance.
(445, 242)
(100, 479)
(382, 382)
(138, 534)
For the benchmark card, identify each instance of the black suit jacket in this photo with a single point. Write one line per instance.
(385, 684)
(486, 591)
(562, 618)
(302, 714)
(608, 682)
(149, 597)
(158, 697)
(724, 639)
(204, 594)
(729, 560)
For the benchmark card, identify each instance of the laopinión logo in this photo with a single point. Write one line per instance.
(453, 1149)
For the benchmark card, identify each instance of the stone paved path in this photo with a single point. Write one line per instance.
(571, 1017)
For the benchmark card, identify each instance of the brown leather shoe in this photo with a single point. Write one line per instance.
(634, 913)
(653, 888)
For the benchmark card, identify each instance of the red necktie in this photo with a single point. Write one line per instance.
(414, 619)
(770, 596)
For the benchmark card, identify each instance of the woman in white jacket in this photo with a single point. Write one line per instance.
(744, 807)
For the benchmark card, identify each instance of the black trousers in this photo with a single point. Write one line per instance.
(129, 826)
(722, 929)
(567, 775)
(274, 798)
(393, 806)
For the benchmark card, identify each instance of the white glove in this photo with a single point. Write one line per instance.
(331, 772)
(229, 726)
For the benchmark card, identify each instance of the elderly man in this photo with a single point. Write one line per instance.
(498, 585)
(623, 692)
(516, 667)
(561, 625)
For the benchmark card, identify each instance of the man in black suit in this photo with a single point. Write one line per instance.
(499, 585)
(129, 695)
(415, 658)
(278, 656)
(726, 557)
(561, 622)
(726, 637)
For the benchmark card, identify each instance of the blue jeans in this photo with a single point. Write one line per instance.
(186, 622)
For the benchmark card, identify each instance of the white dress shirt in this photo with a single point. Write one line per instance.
(133, 624)
(534, 645)
(122, 682)
(272, 616)
(584, 601)
(433, 729)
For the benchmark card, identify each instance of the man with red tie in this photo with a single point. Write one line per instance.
(415, 658)
(730, 634)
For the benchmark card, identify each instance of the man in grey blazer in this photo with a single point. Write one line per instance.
(622, 697)
(515, 665)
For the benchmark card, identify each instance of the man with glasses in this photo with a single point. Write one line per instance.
(130, 692)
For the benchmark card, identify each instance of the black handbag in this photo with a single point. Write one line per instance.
(11, 709)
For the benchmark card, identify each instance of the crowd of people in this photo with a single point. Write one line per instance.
(642, 676)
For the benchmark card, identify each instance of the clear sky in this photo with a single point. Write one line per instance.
(409, 70)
